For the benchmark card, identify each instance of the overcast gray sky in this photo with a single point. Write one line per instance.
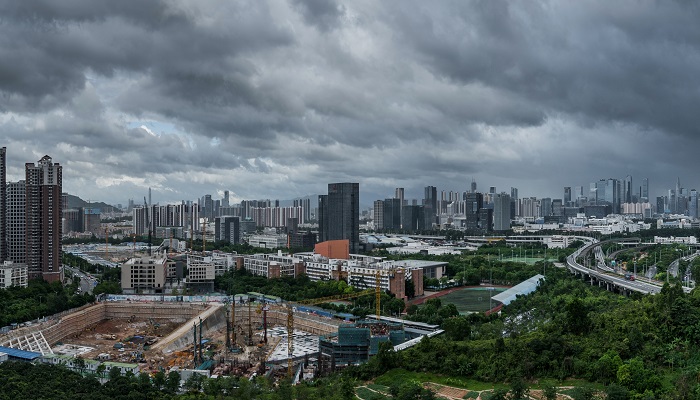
(276, 99)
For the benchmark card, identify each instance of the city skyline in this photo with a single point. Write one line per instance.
(276, 99)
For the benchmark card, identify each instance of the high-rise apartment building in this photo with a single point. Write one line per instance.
(16, 204)
(378, 214)
(339, 214)
(44, 182)
(567, 196)
(3, 204)
(501, 212)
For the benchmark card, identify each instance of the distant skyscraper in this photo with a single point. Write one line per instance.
(473, 186)
(391, 212)
(413, 218)
(225, 201)
(378, 207)
(475, 201)
(514, 193)
(399, 194)
(3, 204)
(339, 214)
(545, 207)
(567, 196)
(44, 183)
(16, 204)
(501, 212)
(645, 191)
(430, 206)
(627, 190)
(693, 204)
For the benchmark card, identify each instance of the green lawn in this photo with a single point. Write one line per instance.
(527, 260)
(401, 375)
(472, 299)
(367, 394)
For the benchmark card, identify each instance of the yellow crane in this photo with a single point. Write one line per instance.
(311, 302)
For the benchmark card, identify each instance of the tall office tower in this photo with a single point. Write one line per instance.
(693, 204)
(392, 213)
(430, 206)
(399, 194)
(44, 183)
(577, 196)
(378, 215)
(627, 190)
(661, 205)
(501, 212)
(208, 204)
(492, 190)
(227, 229)
(567, 196)
(545, 207)
(475, 201)
(226, 199)
(339, 214)
(413, 218)
(3, 204)
(139, 220)
(473, 186)
(645, 191)
(16, 204)
(557, 207)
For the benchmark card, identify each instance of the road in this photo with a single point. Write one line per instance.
(637, 286)
(87, 282)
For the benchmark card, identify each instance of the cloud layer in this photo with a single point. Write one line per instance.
(277, 99)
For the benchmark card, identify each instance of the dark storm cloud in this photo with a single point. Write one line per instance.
(323, 14)
(625, 61)
(408, 93)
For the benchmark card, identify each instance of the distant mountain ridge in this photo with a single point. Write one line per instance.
(77, 202)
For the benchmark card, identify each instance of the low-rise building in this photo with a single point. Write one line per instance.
(144, 274)
(268, 241)
(13, 274)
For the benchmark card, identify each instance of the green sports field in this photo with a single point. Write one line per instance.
(527, 260)
(472, 299)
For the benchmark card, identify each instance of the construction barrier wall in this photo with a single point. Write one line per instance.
(57, 329)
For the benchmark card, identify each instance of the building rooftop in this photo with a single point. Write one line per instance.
(21, 354)
(522, 288)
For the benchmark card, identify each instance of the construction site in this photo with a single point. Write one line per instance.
(244, 338)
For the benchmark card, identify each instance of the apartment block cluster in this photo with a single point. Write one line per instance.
(472, 210)
(30, 223)
(334, 258)
(221, 220)
(483, 212)
(329, 261)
